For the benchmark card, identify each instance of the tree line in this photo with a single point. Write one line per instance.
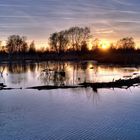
(18, 44)
(74, 39)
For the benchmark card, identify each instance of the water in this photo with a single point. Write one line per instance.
(62, 73)
(68, 114)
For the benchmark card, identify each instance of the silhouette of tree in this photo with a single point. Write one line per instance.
(53, 40)
(59, 41)
(126, 43)
(63, 41)
(96, 42)
(78, 36)
(16, 44)
(2, 48)
(74, 37)
(32, 47)
(84, 47)
(24, 48)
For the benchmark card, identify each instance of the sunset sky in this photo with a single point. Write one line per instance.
(36, 19)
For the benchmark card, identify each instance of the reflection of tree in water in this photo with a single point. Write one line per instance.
(77, 72)
(89, 93)
(18, 72)
(83, 65)
(82, 71)
(32, 67)
(21, 68)
(92, 95)
(15, 73)
(2, 68)
(54, 75)
(62, 73)
(17, 68)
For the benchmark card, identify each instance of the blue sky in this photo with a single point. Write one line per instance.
(36, 19)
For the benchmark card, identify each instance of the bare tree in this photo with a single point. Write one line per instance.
(78, 36)
(74, 37)
(32, 47)
(126, 43)
(59, 41)
(53, 41)
(16, 43)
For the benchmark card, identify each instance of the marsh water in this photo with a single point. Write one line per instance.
(62, 73)
(69, 114)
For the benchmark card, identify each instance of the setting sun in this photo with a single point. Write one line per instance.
(104, 44)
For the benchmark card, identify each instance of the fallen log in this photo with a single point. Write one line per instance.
(49, 87)
(121, 83)
(2, 86)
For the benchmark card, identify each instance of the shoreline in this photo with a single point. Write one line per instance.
(32, 61)
(107, 58)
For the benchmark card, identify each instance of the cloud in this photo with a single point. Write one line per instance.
(38, 18)
(122, 2)
(104, 31)
(13, 5)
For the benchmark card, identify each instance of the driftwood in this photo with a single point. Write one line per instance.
(121, 83)
(4, 87)
(47, 87)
